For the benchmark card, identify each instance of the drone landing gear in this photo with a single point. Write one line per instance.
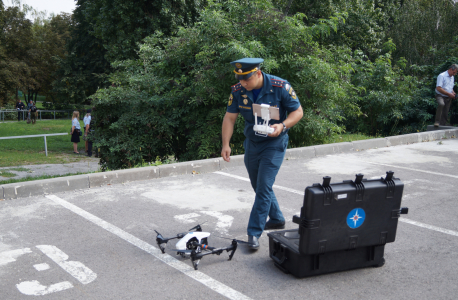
(196, 256)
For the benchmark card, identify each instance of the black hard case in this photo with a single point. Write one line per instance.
(284, 250)
(324, 242)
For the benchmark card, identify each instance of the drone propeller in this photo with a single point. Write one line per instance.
(197, 227)
(238, 241)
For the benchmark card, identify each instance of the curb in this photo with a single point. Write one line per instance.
(71, 183)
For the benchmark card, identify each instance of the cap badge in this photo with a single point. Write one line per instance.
(238, 65)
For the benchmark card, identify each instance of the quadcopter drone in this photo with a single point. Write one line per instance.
(194, 245)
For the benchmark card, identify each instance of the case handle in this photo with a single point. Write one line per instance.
(276, 259)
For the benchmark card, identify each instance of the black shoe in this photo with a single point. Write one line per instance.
(253, 242)
(272, 225)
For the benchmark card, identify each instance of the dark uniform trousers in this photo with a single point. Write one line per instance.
(263, 161)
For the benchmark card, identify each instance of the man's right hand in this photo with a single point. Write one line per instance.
(226, 153)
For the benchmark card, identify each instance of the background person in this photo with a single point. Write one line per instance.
(263, 155)
(86, 121)
(20, 107)
(76, 128)
(445, 94)
(33, 112)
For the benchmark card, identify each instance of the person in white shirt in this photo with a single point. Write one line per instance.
(87, 121)
(76, 128)
(445, 94)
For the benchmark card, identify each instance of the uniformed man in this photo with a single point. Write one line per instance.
(263, 154)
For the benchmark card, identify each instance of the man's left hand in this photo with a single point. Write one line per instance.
(278, 130)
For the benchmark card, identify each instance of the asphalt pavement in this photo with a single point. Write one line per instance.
(95, 239)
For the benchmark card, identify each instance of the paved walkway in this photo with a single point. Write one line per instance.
(86, 166)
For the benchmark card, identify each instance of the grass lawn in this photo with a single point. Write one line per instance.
(348, 137)
(28, 151)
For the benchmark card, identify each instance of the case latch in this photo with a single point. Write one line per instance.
(327, 190)
(389, 184)
(359, 187)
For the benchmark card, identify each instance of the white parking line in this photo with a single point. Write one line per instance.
(431, 227)
(410, 169)
(443, 230)
(248, 180)
(169, 260)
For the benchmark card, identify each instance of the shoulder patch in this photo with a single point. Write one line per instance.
(277, 82)
(236, 87)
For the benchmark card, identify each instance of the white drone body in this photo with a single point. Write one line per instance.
(196, 236)
(267, 113)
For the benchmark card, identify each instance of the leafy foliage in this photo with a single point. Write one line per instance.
(422, 28)
(28, 51)
(171, 101)
(364, 26)
(83, 69)
(120, 25)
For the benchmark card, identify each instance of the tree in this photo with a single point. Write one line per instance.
(364, 27)
(50, 38)
(422, 28)
(17, 40)
(171, 101)
(83, 69)
(121, 25)
(106, 31)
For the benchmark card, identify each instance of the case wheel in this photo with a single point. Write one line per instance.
(381, 264)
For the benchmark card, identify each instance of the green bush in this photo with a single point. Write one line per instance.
(172, 100)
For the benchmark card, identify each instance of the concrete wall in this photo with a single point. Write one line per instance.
(70, 183)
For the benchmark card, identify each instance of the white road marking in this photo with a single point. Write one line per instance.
(248, 180)
(435, 228)
(188, 218)
(34, 288)
(41, 267)
(410, 169)
(224, 221)
(169, 260)
(74, 268)
(11, 256)
(439, 229)
(223, 224)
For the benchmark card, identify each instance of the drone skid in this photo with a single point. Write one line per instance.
(197, 255)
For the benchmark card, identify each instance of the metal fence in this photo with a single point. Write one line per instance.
(32, 136)
(24, 113)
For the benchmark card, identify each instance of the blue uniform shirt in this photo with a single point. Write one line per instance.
(276, 92)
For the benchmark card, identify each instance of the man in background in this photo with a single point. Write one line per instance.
(20, 107)
(445, 94)
(33, 112)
